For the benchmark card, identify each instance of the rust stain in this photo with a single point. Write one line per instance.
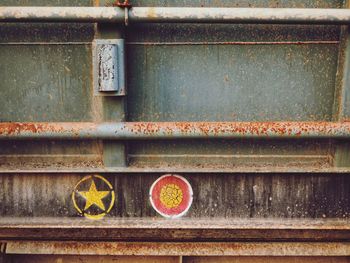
(252, 128)
(205, 129)
(125, 4)
(13, 128)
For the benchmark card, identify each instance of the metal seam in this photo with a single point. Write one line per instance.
(188, 43)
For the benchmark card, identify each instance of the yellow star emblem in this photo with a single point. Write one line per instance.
(94, 197)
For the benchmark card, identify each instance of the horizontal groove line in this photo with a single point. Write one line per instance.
(236, 43)
(197, 170)
(227, 156)
(48, 155)
(188, 43)
(185, 223)
(46, 43)
(181, 248)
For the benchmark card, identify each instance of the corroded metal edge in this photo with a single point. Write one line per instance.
(183, 223)
(180, 249)
(173, 130)
(182, 230)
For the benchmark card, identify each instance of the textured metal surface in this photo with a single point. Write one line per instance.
(243, 85)
(173, 259)
(92, 259)
(109, 67)
(45, 82)
(237, 15)
(240, 3)
(249, 189)
(230, 196)
(61, 14)
(175, 15)
(181, 249)
(248, 259)
(107, 64)
(174, 130)
(189, 230)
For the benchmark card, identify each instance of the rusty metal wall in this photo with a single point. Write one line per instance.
(244, 189)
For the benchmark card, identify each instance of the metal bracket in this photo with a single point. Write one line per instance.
(109, 67)
(125, 4)
(3, 252)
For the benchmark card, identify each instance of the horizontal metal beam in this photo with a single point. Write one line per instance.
(176, 15)
(180, 248)
(173, 130)
(177, 230)
(171, 169)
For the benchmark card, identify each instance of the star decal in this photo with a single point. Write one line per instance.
(94, 197)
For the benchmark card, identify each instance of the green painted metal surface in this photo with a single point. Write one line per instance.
(232, 83)
(178, 76)
(47, 83)
(173, 74)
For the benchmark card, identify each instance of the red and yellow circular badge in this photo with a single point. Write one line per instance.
(171, 195)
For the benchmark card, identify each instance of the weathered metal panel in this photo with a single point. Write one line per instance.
(179, 73)
(229, 73)
(181, 249)
(45, 83)
(243, 85)
(218, 196)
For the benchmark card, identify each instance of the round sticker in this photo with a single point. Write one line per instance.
(171, 195)
(93, 197)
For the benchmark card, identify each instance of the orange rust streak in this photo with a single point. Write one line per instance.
(255, 128)
(169, 128)
(9, 128)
